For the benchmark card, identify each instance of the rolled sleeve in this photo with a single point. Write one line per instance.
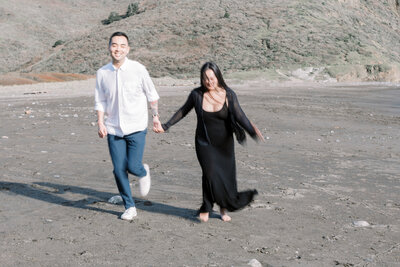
(100, 101)
(148, 87)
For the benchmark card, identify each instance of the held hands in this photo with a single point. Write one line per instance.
(157, 128)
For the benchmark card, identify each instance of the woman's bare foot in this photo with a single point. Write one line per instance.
(204, 216)
(224, 216)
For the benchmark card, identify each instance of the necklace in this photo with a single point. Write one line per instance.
(213, 98)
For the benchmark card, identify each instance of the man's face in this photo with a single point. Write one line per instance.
(119, 48)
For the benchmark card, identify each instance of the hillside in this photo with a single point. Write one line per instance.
(344, 39)
(29, 28)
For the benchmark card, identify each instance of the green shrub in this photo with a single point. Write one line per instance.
(226, 15)
(57, 43)
(111, 18)
(133, 9)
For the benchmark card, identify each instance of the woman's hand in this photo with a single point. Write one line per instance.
(258, 132)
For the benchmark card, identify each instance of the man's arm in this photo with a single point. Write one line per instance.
(155, 115)
(102, 130)
(100, 106)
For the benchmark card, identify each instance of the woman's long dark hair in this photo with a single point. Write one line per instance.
(211, 66)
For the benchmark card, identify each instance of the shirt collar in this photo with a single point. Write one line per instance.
(123, 67)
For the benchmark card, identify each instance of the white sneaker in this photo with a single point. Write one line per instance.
(129, 214)
(145, 182)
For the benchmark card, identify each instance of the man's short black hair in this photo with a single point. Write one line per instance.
(118, 34)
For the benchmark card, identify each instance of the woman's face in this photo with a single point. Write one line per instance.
(210, 80)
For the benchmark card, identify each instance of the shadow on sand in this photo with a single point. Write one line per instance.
(52, 193)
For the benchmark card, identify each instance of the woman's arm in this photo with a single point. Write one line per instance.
(181, 113)
(243, 121)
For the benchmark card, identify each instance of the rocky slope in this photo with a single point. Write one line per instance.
(344, 39)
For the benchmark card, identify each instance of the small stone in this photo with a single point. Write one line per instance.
(93, 123)
(4, 137)
(254, 263)
(76, 115)
(85, 254)
(57, 176)
(27, 112)
(361, 224)
(115, 199)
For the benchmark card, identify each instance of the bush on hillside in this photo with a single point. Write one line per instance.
(133, 9)
(226, 15)
(57, 43)
(111, 18)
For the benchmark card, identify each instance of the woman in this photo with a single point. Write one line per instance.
(218, 116)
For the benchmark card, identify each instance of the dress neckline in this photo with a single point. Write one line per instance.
(214, 111)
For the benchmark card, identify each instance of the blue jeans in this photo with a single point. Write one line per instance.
(126, 155)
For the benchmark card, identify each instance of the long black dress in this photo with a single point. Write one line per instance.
(215, 150)
(217, 162)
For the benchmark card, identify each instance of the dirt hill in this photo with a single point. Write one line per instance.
(343, 39)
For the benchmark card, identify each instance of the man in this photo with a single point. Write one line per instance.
(123, 88)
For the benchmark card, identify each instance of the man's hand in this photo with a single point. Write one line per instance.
(157, 125)
(102, 130)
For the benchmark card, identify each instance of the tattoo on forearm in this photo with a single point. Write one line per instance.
(154, 108)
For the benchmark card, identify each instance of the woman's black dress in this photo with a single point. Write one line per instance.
(215, 149)
(217, 161)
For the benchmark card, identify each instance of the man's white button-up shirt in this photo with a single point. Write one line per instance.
(122, 94)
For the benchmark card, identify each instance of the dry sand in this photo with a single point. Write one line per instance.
(331, 158)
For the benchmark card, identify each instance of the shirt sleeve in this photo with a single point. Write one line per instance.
(241, 117)
(181, 113)
(99, 95)
(148, 86)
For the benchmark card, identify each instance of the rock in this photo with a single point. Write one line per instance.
(115, 199)
(361, 224)
(254, 263)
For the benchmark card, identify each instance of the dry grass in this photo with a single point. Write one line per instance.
(30, 78)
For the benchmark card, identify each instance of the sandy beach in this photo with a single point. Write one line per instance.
(327, 176)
